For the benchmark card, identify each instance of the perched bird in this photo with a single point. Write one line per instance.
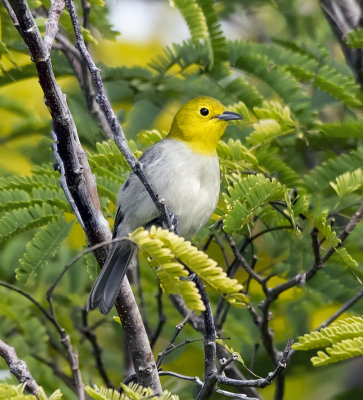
(183, 169)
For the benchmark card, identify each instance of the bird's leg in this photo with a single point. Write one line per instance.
(191, 277)
(174, 222)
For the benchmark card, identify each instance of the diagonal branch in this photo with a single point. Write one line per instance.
(82, 186)
(118, 133)
(210, 369)
(90, 335)
(72, 356)
(51, 27)
(18, 368)
(346, 306)
(343, 17)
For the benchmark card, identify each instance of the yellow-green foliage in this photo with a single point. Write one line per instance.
(130, 392)
(326, 234)
(355, 38)
(168, 253)
(342, 340)
(247, 195)
(348, 182)
(234, 156)
(150, 137)
(12, 392)
(329, 239)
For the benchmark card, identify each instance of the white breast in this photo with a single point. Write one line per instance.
(189, 183)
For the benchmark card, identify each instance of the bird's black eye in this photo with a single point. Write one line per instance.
(204, 111)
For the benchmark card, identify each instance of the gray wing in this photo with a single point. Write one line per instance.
(132, 199)
(135, 205)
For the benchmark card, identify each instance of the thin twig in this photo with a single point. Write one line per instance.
(90, 335)
(182, 344)
(63, 180)
(304, 277)
(210, 369)
(341, 310)
(223, 250)
(161, 317)
(56, 371)
(243, 261)
(262, 382)
(170, 345)
(18, 368)
(134, 275)
(345, 307)
(86, 8)
(181, 376)
(72, 355)
(65, 339)
(195, 320)
(221, 378)
(316, 246)
(31, 299)
(224, 362)
(167, 216)
(10, 12)
(51, 27)
(263, 232)
(356, 217)
(235, 395)
(78, 257)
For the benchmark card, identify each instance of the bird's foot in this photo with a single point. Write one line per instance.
(174, 223)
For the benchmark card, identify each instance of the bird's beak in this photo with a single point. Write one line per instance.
(229, 116)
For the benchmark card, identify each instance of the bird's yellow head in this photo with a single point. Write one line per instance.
(200, 123)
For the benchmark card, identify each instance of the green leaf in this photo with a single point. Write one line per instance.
(12, 392)
(168, 253)
(348, 182)
(24, 219)
(345, 130)
(194, 17)
(319, 178)
(169, 271)
(88, 37)
(342, 339)
(246, 196)
(354, 38)
(91, 266)
(44, 245)
(132, 391)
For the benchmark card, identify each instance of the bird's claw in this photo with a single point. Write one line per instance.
(174, 222)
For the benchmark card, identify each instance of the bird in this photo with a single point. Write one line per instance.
(183, 169)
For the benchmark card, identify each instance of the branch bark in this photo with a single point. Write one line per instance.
(210, 369)
(82, 186)
(343, 17)
(18, 368)
(51, 27)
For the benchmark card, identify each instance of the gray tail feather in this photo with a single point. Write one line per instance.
(108, 282)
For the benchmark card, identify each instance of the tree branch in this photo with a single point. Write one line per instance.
(102, 99)
(65, 339)
(18, 368)
(210, 369)
(161, 317)
(343, 17)
(346, 306)
(51, 27)
(82, 186)
(170, 345)
(262, 382)
(90, 335)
